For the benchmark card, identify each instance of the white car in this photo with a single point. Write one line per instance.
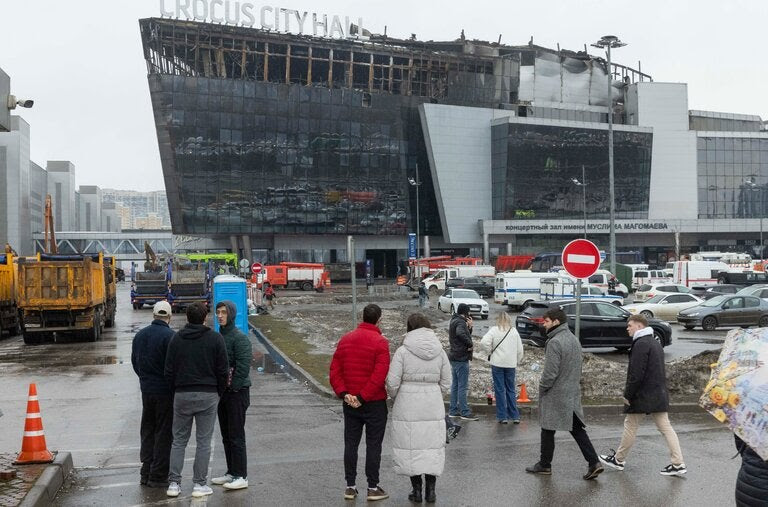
(452, 298)
(647, 291)
(760, 291)
(664, 306)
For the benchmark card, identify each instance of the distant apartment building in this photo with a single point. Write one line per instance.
(145, 210)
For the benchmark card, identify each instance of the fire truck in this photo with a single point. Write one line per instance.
(301, 275)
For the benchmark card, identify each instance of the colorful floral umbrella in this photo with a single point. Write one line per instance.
(737, 392)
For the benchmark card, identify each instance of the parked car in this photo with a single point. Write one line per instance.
(743, 277)
(664, 306)
(725, 310)
(647, 291)
(602, 324)
(710, 291)
(480, 285)
(452, 298)
(759, 291)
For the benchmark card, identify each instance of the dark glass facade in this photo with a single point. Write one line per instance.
(533, 168)
(266, 158)
(733, 177)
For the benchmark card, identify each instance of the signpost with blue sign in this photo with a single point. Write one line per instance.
(412, 245)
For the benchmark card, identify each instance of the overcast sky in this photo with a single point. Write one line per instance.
(82, 63)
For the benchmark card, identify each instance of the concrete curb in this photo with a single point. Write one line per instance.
(49, 482)
(289, 366)
(530, 409)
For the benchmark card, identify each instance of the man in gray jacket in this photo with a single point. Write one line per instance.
(560, 395)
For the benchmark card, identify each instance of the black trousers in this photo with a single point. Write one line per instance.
(232, 407)
(578, 433)
(373, 416)
(156, 436)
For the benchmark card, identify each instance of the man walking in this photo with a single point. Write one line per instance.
(148, 360)
(358, 371)
(645, 392)
(196, 366)
(235, 400)
(460, 339)
(560, 396)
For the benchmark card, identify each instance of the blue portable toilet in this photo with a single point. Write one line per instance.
(232, 288)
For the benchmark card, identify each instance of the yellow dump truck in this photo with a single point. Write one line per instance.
(72, 294)
(9, 312)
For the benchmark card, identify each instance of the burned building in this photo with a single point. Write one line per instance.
(285, 143)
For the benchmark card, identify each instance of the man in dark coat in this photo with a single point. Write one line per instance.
(752, 481)
(236, 399)
(560, 396)
(148, 359)
(460, 339)
(646, 393)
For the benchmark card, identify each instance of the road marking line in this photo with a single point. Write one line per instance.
(581, 259)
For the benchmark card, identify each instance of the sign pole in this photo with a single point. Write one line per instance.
(577, 327)
(352, 275)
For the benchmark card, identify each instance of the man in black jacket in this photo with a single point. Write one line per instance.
(646, 393)
(460, 338)
(148, 359)
(196, 366)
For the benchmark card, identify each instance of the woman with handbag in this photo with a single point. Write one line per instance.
(505, 351)
(418, 376)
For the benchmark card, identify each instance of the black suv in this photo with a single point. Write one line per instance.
(480, 285)
(602, 324)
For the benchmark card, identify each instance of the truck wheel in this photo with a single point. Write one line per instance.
(110, 320)
(433, 290)
(306, 286)
(95, 333)
(32, 338)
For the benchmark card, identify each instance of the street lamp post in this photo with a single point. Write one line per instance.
(583, 185)
(416, 183)
(608, 42)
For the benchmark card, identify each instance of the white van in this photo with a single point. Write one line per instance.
(519, 288)
(648, 276)
(600, 279)
(690, 273)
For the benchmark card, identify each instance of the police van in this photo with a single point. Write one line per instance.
(518, 288)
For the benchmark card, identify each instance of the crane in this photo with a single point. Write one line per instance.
(50, 246)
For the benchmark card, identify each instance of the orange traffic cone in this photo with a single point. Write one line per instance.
(523, 398)
(33, 449)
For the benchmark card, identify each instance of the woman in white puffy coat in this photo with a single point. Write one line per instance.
(418, 375)
(502, 342)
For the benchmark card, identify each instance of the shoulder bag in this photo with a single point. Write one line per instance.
(497, 345)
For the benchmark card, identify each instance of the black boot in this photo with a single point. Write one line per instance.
(415, 495)
(429, 489)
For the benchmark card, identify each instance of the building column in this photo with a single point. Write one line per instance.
(425, 247)
(247, 250)
(509, 248)
(486, 249)
(234, 245)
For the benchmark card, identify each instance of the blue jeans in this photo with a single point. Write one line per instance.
(506, 397)
(459, 384)
(422, 301)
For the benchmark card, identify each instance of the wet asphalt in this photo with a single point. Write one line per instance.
(91, 406)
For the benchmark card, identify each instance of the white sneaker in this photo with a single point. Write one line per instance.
(237, 483)
(201, 490)
(173, 489)
(222, 480)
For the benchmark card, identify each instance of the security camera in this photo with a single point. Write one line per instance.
(13, 102)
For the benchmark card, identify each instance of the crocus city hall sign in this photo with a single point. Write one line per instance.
(266, 17)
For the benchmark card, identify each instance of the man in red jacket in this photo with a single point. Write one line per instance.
(358, 370)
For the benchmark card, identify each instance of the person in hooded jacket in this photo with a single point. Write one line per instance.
(460, 339)
(196, 367)
(236, 399)
(505, 351)
(645, 392)
(418, 375)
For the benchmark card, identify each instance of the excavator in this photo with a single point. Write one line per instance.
(49, 242)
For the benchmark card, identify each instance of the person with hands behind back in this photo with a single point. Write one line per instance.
(357, 374)
(460, 339)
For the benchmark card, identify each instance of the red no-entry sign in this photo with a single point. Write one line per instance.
(581, 258)
(256, 268)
